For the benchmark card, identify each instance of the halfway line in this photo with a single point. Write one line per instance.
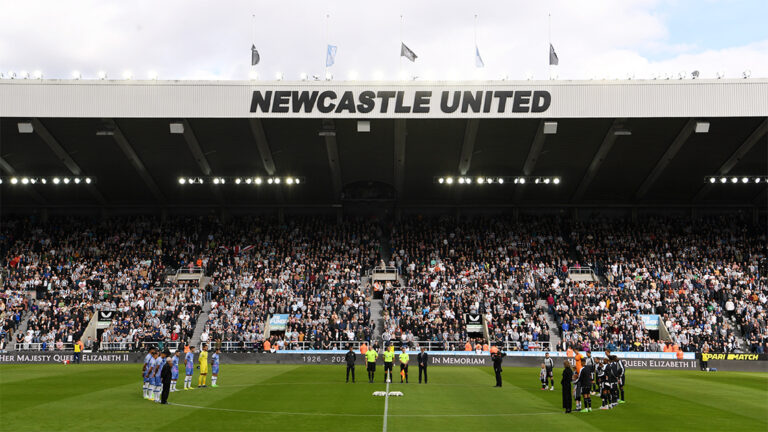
(386, 406)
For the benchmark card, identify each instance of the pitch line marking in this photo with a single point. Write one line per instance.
(386, 407)
(358, 415)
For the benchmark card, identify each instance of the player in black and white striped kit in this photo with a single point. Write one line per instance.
(621, 380)
(589, 363)
(612, 373)
(602, 383)
(549, 364)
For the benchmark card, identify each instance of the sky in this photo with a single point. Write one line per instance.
(190, 39)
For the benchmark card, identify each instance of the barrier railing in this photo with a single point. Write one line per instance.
(39, 346)
(230, 346)
(382, 273)
(138, 346)
(189, 273)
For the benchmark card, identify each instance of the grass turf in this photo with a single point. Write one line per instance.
(312, 397)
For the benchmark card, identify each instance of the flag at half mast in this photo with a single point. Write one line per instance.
(407, 53)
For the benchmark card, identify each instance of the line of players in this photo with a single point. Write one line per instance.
(604, 376)
(153, 365)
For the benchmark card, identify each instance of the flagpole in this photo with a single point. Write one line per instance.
(549, 48)
(327, 42)
(400, 69)
(253, 36)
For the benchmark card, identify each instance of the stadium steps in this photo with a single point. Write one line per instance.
(11, 345)
(377, 319)
(554, 334)
(200, 325)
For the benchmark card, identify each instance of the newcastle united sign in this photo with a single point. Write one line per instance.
(400, 101)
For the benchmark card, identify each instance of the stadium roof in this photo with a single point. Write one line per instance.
(617, 143)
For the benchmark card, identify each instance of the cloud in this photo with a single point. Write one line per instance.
(206, 40)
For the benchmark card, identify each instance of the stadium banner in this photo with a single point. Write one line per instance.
(651, 322)
(474, 323)
(732, 356)
(364, 100)
(108, 316)
(437, 358)
(69, 356)
(278, 322)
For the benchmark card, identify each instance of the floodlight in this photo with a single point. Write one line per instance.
(152, 75)
(77, 180)
(328, 76)
(712, 180)
(546, 181)
(289, 180)
(746, 74)
(76, 75)
(248, 180)
(297, 181)
(24, 74)
(25, 127)
(182, 180)
(556, 180)
(744, 180)
(757, 180)
(461, 180)
(56, 180)
(279, 76)
(216, 181)
(102, 75)
(441, 180)
(702, 127)
(237, 181)
(449, 180)
(66, 180)
(734, 180)
(258, 180)
(501, 180)
(277, 180)
(694, 74)
(723, 179)
(127, 75)
(480, 180)
(270, 181)
(87, 180)
(522, 181)
(720, 75)
(24, 180)
(303, 76)
(14, 180)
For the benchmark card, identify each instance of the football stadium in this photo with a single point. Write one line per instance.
(429, 255)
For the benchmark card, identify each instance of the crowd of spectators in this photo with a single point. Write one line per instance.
(459, 270)
(705, 279)
(307, 269)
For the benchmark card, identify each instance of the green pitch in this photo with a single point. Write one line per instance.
(315, 398)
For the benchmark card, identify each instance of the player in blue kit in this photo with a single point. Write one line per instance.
(175, 370)
(145, 373)
(215, 368)
(159, 362)
(189, 363)
(151, 367)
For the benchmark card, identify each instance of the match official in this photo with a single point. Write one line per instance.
(389, 357)
(497, 358)
(371, 355)
(423, 359)
(404, 357)
(350, 358)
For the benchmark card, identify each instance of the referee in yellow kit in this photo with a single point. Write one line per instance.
(389, 357)
(404, 366)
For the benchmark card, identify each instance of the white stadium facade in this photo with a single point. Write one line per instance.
(638, 146)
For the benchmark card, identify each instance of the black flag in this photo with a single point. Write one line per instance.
(407, 53)
(553, 60)
(254, 56)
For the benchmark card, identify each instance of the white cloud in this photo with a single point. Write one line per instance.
(207, 40)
